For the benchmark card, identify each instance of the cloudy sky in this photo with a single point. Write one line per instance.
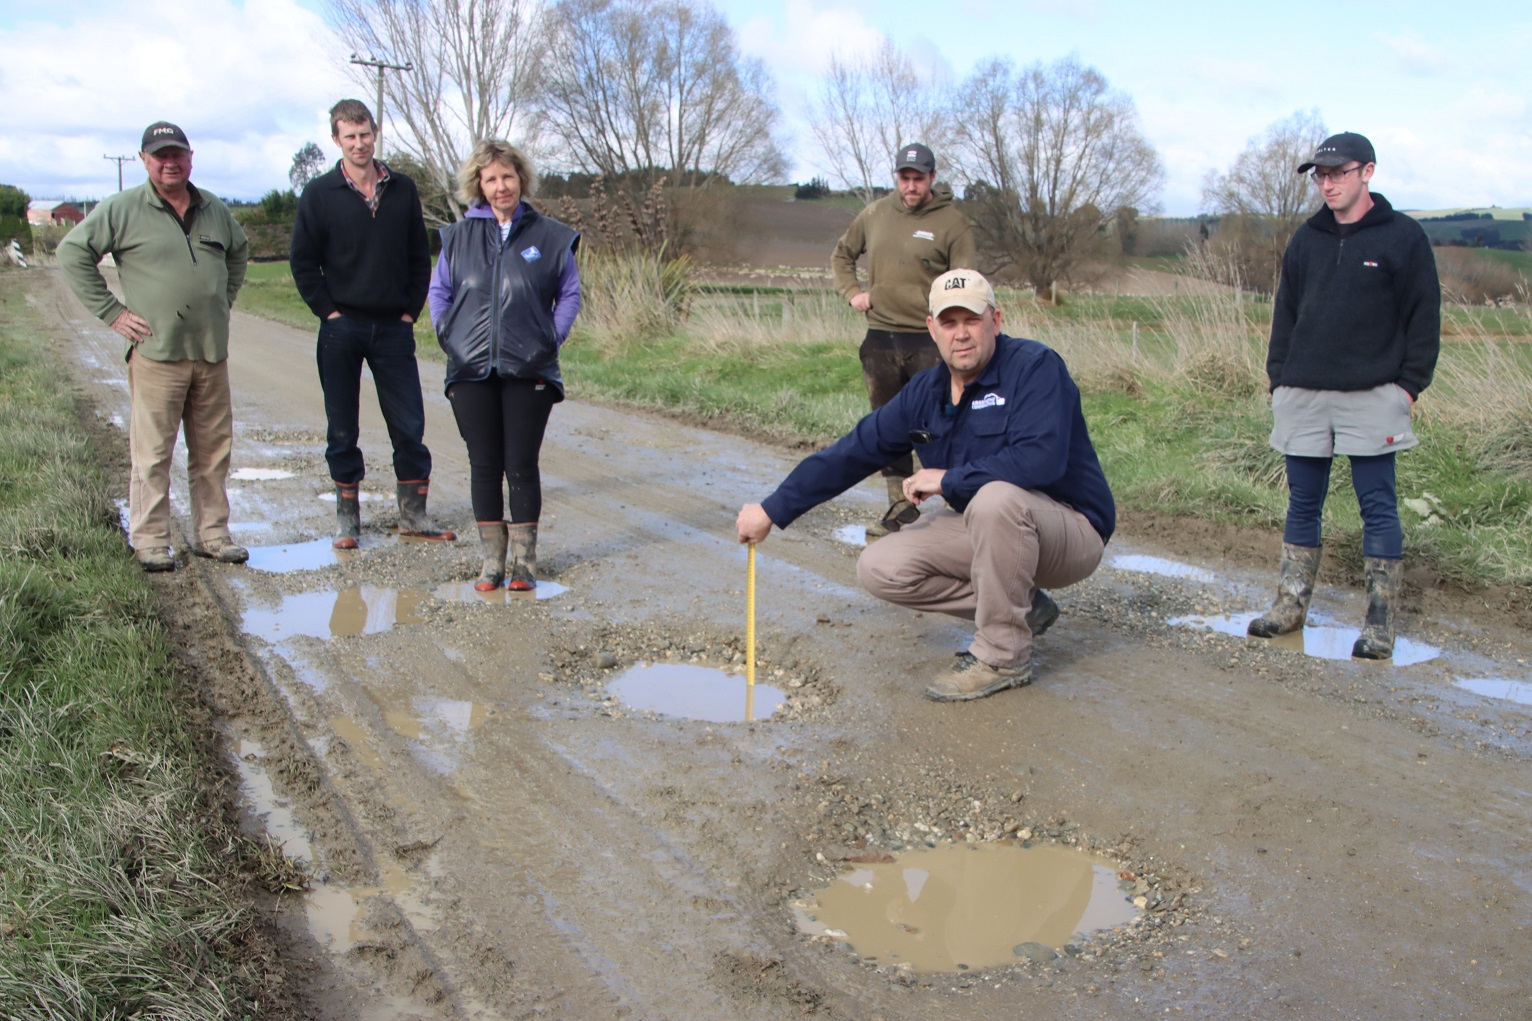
(1443, 90)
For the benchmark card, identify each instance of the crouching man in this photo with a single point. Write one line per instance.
(1002, 439)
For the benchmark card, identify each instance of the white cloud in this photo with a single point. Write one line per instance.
(1415, 55)
(248, 82)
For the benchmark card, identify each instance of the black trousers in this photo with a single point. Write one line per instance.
(890, 360)
(502, 421)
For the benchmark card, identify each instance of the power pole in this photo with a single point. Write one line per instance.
(120, 161)
(381, 65)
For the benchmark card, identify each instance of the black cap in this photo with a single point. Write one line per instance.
(1338, 150)
(915, 156)
(162, 135)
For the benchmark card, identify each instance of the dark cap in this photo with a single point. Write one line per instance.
(915, 156)
(1338, 150)
(162, 135)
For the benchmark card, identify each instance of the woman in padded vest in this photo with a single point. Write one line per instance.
(503, 298)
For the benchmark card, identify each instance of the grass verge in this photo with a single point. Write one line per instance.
(118, 895)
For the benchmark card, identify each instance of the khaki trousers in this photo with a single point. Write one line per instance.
(164, 396)
(984, 564)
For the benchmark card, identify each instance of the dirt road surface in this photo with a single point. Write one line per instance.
(496, 837)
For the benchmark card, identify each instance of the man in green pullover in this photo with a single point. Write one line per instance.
(910, 237)
(180, 259)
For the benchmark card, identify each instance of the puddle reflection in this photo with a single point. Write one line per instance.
(962, 906)
(437, 729)
(1497, 687)
(1322, 641)
(464, 592)
(694, 693)
(363, 610)
(259, 474)
(296, 556)
(853, 535)
(1158, 565)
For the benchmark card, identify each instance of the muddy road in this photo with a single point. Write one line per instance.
(495, 835)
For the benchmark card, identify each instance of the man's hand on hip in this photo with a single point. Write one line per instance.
(861, 302)
(131, 326)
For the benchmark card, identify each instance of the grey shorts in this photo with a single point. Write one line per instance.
(1323, 423)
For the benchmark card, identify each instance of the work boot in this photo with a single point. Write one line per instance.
(492, 542)
(154, 559)
(348, 515)
(1043, 613)
(969, 678)
(523, 543)
(900, 511)
(413, 520)
(1294, 590)
(1383, 582)
(222, 549)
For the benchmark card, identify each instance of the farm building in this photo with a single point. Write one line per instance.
(46, 212)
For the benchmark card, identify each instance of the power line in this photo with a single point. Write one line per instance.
(120, 161)
(381, 65)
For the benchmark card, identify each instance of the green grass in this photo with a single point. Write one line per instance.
(116, 897)
(269, 292)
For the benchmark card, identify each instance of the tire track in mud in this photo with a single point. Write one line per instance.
(558, 859)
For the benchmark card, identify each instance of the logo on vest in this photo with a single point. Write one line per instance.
(531, 254)
(989, 400)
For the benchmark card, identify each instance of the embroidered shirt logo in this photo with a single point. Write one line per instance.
(925, 235)
(1369, 262)
(531, 254)
(989, 400)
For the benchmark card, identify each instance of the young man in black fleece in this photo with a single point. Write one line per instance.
(361, 261)
(1355, 331)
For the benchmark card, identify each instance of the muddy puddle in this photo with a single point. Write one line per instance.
(335, 912)
(852, 535)
(692, 692)
(362, 610)
(1322, 638)
(961, 907)
(1141, 564)
(438, 730)
(464, 592)
(259, 474)
(1503, 688)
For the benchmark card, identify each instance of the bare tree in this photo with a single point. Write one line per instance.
(866, 109)
(308, 163)
(1050, 153)
(648, 87)
(476, 65)
(1261, 199)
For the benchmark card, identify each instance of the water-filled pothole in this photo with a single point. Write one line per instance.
(1497, 687)
(259, 474)
(1159, 565)
(852, 535)
(695, 693)
(1321, 640)
(961, 907)
(363, 610)
(296, 556)
(464, 592)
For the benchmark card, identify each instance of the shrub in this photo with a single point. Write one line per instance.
(1472, 278)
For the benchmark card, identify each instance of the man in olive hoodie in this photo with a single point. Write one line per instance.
(181, 259)
(910, 237)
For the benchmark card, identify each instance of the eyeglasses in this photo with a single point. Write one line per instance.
(1321, 176)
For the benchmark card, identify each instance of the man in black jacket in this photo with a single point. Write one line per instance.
(1355, 330)
(361, 261)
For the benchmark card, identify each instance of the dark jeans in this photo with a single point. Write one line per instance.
(502, 421)
(388, 348)
(890, 360)
(1308, 482)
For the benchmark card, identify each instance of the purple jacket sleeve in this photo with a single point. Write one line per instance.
(439, 294)
(568, 304)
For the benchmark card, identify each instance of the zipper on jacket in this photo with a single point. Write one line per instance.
(494, 297)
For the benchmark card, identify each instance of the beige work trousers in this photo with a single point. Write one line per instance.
(985, 564)
(164, 397)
